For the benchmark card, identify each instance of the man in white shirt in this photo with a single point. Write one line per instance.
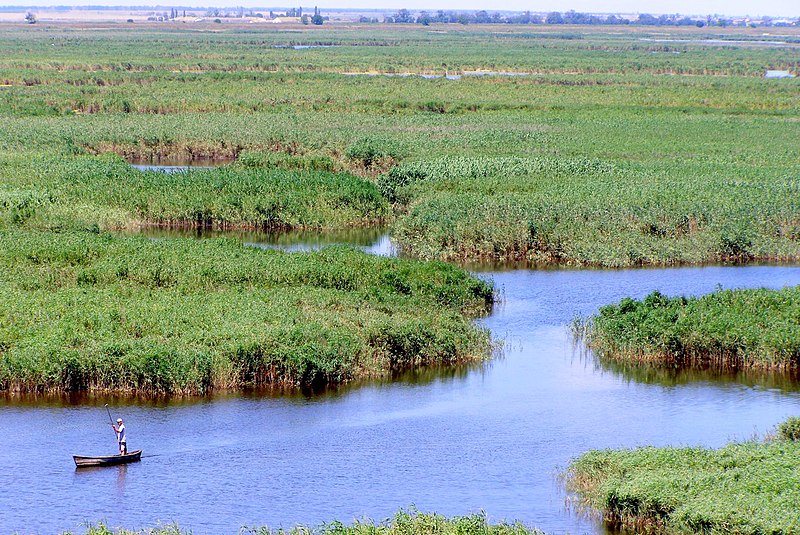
(121, 438)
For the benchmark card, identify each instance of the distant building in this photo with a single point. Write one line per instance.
(778, 74)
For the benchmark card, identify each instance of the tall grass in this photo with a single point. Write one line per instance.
(230, 196)
(405, 522)
(746, 488)
(92, 311)
(726, 329)
(593, 211)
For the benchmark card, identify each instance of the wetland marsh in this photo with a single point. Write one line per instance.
(334, 383)
(492, 437)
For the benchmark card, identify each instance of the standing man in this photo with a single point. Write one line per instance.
(121, 439)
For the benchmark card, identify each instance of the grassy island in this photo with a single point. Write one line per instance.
(758, 328)
(89, 310)
(745, 488)
(62, 189)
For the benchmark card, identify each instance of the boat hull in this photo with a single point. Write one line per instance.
(107, 460)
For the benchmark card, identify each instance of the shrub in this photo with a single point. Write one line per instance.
(370, 151)
(790, 429)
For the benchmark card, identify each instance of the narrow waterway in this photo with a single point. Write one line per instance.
(491, 438)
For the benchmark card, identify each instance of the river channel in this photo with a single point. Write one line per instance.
(492, 438)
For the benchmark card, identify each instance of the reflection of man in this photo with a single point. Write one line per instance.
(123, 442)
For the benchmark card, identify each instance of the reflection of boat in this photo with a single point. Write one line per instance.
(107, 460)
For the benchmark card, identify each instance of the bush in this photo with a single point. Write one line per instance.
(391, 184)
(371, 151)
(790, 429)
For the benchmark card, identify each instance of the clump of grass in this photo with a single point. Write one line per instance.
(590, 211)
(374, 152)
(405, 522)
(755, 328)
(291, 162)
(790, 429)
(746, 488)
(134, 315)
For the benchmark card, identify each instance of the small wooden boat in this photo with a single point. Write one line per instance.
(107, 460)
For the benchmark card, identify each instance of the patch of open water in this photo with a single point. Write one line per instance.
(177, 165)
(493, 437)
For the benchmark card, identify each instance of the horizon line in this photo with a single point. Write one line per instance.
(98, 7)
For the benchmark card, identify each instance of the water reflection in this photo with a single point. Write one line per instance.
(372, 240)
(170, 169)
(177, 163)
(122, 471)
(303, 47)
(787, 381)
(97, 400)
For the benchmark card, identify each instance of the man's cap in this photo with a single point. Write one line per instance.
(119, 419)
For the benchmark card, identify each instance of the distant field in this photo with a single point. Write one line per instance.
(584, 145)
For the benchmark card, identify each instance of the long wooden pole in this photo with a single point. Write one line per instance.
(110, 419)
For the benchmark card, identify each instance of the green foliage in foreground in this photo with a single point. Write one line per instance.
(80, 310)
(757, 328)
(402, 523)
(747, 488)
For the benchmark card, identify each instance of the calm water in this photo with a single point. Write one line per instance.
(373, 240)
(177, 165)
(490, 438)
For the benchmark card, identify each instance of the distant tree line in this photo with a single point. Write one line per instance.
(293, 12)
(404, 16)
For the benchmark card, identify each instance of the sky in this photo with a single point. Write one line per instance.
(777, 8)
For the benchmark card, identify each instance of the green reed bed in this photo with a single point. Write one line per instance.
(743, 488)
(594, 211)
(169, 93)
(400, 49)
(406, 522)
(602, 169)
(595, 158)
(82, 310)
(757, 328)
(108, 192)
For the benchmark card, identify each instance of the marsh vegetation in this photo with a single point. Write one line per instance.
(406, 522)
(725, 329)
(609, 149)
(748, 487)
(607, 153)
(611, 155)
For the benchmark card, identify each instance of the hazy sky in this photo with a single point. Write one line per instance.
(789, 8)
